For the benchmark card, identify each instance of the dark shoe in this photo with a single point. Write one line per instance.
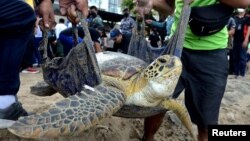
(13, 112)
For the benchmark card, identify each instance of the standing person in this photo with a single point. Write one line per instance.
(241, 38)
(60, 27)
(28, 58)
(94, 19)
(13, 42)
(127, 23)
(38, 38)
(205, 67)
(167, 24)
(121, 41)
(154, 38)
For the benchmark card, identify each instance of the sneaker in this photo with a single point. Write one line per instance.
(30, 70)
(13, 112)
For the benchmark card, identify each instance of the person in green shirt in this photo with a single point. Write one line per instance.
(205, 67)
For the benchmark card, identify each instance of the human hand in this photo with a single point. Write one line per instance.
(69, 8)
(143, 7)
(46, 11)
(245, 44)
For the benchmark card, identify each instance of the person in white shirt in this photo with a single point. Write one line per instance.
(60, 27)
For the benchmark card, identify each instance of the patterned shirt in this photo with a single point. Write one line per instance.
(127, 25)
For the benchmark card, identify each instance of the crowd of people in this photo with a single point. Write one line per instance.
(61, 38)
(238, 27)
(204, 56)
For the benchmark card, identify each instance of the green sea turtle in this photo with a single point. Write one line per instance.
(118, 84)
(126, 81)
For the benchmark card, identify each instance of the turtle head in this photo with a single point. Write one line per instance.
(163, 73)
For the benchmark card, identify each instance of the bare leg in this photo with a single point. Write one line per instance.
(151, 125)
(202, 134)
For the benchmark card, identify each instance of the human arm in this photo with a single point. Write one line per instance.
(236, 3)
(231, 31)
(97, 47)
(231, 26)
(96, 37)
(246, 37)
(156, 24)
(246, 40)
(132, 22)
(165, 7)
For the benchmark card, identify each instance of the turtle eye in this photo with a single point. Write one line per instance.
(161, 60)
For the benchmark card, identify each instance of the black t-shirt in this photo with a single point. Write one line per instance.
(123, 46)
(154, 39)
(241, 24)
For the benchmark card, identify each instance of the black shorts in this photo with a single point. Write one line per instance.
(204, 79)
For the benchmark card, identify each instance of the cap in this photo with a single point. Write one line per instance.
(240, 10)
(114, 33)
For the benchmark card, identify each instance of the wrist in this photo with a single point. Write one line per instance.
(38, 2)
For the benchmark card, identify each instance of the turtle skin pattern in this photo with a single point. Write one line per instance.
(73, 115)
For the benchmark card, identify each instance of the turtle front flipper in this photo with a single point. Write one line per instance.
(180, 110)
(72, 115)
(42, 88)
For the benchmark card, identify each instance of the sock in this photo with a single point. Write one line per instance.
(6, 101)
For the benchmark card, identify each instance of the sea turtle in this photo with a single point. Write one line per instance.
(126, 81)
(118, 84)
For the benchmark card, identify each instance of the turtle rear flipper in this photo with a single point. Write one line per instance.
(180, 110)
(72, 115)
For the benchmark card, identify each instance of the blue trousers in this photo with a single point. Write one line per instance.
(17, 21)
(37, 56)
(239, 59)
